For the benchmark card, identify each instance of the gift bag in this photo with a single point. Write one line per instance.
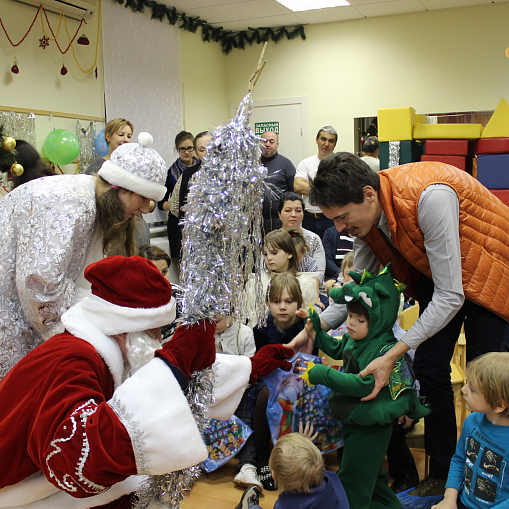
(292, 401)
(224, 439)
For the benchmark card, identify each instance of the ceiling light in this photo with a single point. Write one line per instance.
(310, 5)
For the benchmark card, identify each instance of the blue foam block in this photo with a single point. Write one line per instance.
(493, 170)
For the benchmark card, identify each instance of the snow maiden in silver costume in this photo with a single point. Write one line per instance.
(47, 229)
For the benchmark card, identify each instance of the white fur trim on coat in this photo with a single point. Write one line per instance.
(35, 492)
(117, 176)
(112, 319)
(232, 376)
(107, 348)
(154, 401)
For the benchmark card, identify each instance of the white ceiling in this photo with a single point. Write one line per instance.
(242, 14)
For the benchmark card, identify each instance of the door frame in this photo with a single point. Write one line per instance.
(283, 101)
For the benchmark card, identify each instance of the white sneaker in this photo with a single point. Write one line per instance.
(247, 477)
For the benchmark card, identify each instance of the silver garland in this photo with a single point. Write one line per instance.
(222, 239)
(168, 490)
(394, 151)
(19, 125)
(222, 225)
(86, 138)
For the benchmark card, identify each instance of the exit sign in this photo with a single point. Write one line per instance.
(261, 127)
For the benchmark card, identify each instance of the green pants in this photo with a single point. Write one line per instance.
(365, 481)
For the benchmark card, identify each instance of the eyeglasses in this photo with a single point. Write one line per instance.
(185, 149)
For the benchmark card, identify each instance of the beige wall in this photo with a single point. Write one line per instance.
(436, 61)
(39, 84)
(203, 76)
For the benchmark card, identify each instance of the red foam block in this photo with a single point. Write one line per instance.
(501, 194)
(492, 146)
(447, 147)
(458, 161)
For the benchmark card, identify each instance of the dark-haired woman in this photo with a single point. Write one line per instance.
(184, 145)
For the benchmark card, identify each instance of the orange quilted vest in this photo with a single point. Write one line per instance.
(483, 229)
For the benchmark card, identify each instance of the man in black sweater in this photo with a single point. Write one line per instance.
(281, 172)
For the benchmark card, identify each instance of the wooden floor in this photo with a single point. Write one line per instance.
(217, 491)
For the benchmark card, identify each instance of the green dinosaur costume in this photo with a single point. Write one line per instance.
(367, 425)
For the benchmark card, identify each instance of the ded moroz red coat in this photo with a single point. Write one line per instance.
(74, 436)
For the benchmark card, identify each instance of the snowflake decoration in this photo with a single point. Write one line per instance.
(43, 42)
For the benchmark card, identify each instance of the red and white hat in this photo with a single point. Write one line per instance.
(129, 294)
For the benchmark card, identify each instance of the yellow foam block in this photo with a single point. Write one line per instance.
(447, 131)
(421, 119)
(395, 124)
(498, 126)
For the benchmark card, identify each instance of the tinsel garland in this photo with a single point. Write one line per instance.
(222, 226)
(394, 151)
(86, 137)
(228, 39)
(167, 491)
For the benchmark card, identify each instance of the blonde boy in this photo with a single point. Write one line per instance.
(298, 468)
(479, 468)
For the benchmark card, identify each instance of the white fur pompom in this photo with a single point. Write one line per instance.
(145, 139)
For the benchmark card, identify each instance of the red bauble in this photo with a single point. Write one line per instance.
(63, 71)
(15, 69)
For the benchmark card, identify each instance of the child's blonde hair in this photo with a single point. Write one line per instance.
(490, 374)
(298, 240)
(296, 464)
(347, 262)
(280, 239)
(284, 281)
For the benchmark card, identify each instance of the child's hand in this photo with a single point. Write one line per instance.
(308, 431)
(405, 422)
(445, 504)
(303, 313)
(320, 304)
(310, 330)
(324, 361)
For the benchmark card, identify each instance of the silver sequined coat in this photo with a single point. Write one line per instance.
(46, 227)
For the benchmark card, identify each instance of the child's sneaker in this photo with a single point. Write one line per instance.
(249, 498)
(266, 478)
(248, 477)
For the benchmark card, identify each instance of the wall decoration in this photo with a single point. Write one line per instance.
(228, 40)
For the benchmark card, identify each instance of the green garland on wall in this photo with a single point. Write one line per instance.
(228, 40)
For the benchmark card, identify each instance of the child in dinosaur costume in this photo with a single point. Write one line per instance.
(367, 425)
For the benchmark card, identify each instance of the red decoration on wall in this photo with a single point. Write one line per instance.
(63, 71)
(43, 42)
(15, 68)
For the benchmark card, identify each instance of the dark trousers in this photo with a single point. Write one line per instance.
(484, 332)
(316, 225)
(247, 455)
(399, 457)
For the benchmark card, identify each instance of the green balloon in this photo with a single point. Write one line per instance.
(61, 147)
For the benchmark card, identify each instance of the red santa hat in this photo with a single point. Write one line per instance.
(129, 294)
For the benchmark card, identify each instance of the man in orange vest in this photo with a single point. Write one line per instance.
(447, 238)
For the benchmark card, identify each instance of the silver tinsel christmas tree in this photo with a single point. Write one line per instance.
(221, 243)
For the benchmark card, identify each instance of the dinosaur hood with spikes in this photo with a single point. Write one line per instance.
(379, 294)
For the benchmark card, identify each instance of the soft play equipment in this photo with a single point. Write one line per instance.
(498, 126)
(493, 170)
(458, 161)
(492, 146)
(410, 152)
(447, 148)
(395, 124)
(502, 195)
(447, 131)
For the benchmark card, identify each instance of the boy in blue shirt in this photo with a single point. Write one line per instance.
(298, 468)
(479, 468)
